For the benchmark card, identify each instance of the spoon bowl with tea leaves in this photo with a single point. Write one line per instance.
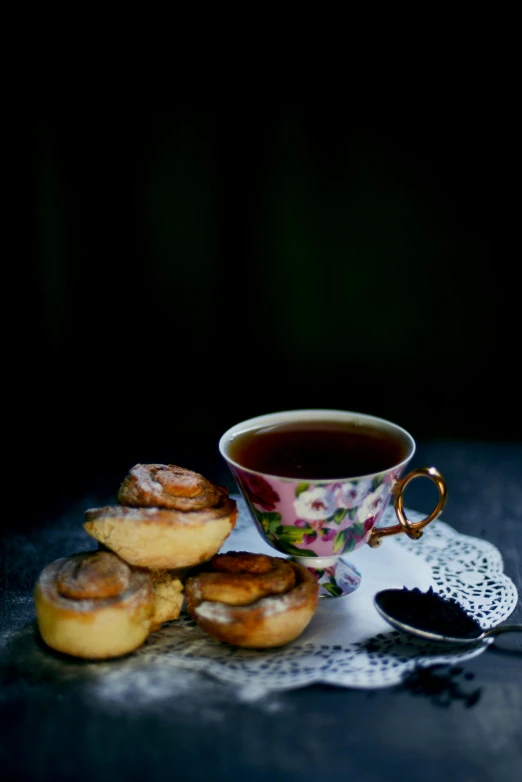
(434, 617)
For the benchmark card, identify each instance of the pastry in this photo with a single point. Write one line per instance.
(168, 588)
(167, 517)
(93, 605)
(168, 596)
(252, 600)
(167, 486)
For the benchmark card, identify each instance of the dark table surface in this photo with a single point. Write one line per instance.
(451, 724)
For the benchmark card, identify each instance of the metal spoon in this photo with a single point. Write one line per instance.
(429, 635)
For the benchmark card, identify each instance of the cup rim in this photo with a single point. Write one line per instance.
(313, 414)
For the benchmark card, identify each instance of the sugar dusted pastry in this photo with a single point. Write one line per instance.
(167, 486)
(252, 600)
(93, 605)
(168, 517)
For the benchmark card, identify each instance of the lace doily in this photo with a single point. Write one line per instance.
(347, 643)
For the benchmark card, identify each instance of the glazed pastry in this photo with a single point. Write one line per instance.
(93, 605)
(252, 600)
(155, 535)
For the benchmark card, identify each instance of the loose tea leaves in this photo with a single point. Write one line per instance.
(430, 611)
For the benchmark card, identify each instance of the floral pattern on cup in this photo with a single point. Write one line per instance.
(260, 491)
(320, 519)
(337, 580)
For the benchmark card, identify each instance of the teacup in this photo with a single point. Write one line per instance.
(317, 483)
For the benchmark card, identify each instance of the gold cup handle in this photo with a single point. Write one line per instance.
(412, 529)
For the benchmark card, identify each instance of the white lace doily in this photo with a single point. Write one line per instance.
(347, 643)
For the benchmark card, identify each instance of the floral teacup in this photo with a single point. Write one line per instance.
(317, 521)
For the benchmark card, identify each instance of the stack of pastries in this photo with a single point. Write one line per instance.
(157, 545)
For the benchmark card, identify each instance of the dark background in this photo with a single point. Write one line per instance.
(193, 267)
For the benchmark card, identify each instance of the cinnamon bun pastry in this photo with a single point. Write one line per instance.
(93, 605)
(252, 600)
(183, 519)
(167, 486)
(168, 586)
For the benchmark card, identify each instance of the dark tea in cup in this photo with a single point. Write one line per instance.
(318, 450)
